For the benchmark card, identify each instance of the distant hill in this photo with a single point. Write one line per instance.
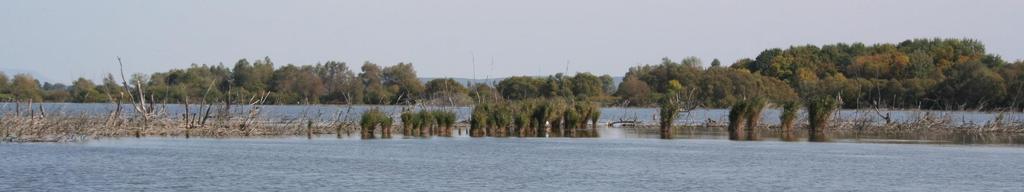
(467, 81)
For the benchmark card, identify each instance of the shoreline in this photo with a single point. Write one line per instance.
(65, 129)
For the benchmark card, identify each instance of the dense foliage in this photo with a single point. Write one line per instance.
(926, 73)
(919, 73)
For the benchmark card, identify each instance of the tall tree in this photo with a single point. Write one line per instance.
(373, 80)
(25, 87)
(716, 63)
(84, 91)
(634, 91)
(970, 84)
(445, 87)
(401, 80)
(519, 87)
(586, 85)
(608, 84)
(342, 85)
(293, 84)
(4, 94)
(693, 62)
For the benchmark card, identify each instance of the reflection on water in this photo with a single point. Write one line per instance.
(803, 135)
(718, 133)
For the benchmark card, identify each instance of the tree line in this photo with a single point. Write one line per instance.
(918, 73)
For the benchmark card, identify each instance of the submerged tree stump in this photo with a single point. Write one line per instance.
(367, 133)
(385, 133)
(309, 129)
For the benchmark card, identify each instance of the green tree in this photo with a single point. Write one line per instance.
(293, 84)
(970, 84)
(692, 62)
(921, 64)
(372, 78)
(551, 87)
(111, 88)
(634, 91)
(255, 77)
(586, 85)
(24, 87)
(446, 87)
(518, 88)
(3, 81)
(607, 84)
(401, 80)
(4, 94)
(84, 91)
(483, 93)
(341, 84)
(55, 92)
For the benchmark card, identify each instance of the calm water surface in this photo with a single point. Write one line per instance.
(504, 164)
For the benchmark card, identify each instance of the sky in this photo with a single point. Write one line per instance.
(63, 40)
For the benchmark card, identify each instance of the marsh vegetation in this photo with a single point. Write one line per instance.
(919, 74)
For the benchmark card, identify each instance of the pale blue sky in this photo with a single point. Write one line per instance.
(62, 40)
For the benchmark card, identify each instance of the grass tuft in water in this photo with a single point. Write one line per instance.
(787, 120)
(737, 116)
(819, 112)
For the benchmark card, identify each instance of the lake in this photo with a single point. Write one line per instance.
(504, 164)
(617, 159)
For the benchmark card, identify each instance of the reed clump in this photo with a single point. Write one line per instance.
(539, 118)
(744, 119)
(555, 117)
(533, 118)
(371, 120)
(409, 121)
(501, 121)
(572, 119)
(819, 112)
(522, 118)
(445, 121)
(787, 120)
(754, 110)
(737, 120)
(425, 123)
(667, 111)
(582, 113)
(595, 115)
(478, 120)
